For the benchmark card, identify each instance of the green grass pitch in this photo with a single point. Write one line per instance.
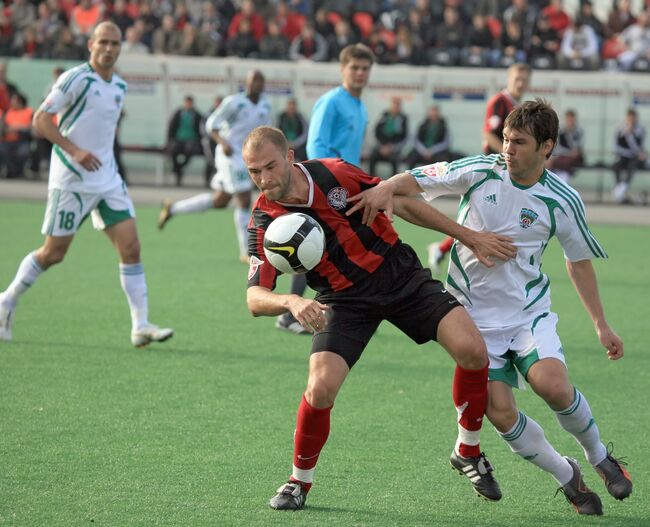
(198, 431)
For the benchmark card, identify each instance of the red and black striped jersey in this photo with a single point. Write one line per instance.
(353, 251)
(498, 108)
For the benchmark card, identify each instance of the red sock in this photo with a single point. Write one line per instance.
(445, 245)
(312, 430)
(470, 394)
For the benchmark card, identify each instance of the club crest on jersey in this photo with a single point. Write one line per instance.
(337, 198)
(255, 264)
(527, 217)
(118, 100)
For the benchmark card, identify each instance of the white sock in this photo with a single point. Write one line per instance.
(198, 203)
(620, 191)
(134, 286)
(306, 476)
(242, 217)
(578, 420)
(526, 439)
(28, 272)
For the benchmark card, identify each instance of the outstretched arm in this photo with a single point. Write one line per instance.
(484, 245)
(262, 301)
(583, 276)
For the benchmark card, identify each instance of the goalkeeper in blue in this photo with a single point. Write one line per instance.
(512, 194)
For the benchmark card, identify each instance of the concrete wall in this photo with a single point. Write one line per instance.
(157, 85)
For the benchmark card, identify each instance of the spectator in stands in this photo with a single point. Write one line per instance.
(194, 43)
(377, 44)
(22, 14)
(243, 43)
(309, 45)
(274, 45)
(322, 24)
(184, 137)
(47, 27)
(408, 47)
(6, 33)
(27, 45)
(588, 18)
(256, 22)
(132, 44)
(619, 17)
(84, 17)
(569, 149)
(66, 48)
(579, 48)
(343, 36)
(15, 131)
(120, 16)
(630, 154)
(391, 132)
(450, 39)
(524, 15)
(212, 26)
(636, 38)
(480, 45)
(557, 17)
(289, 22)
(166, 40)
(294, 126)
(512, 49)
(432, 142)
(544, 45)
(147, 21)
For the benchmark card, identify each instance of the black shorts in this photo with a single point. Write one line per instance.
(401, 291)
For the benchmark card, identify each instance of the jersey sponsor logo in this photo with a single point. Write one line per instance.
(527, 218)
(337, 198)
(255, 264)
(491, 199)
(435, 170)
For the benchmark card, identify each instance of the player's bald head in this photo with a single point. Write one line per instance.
(105, 27)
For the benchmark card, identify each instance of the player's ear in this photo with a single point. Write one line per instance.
(290, 155)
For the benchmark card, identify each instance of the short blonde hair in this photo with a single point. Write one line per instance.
(262, 134)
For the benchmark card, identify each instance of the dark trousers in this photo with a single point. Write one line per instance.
(181, 153)
(625, 168)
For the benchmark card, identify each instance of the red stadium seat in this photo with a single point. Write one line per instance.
(364, 23)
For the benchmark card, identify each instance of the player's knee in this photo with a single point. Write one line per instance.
(130, 252)
(503, 417)
(557, 394)
(319, 394)
(47, 257)
(471, 353)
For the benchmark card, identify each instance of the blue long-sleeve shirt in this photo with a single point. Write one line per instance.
(337, 126)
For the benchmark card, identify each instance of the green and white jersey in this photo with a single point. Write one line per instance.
(88, 109)
(513, 291)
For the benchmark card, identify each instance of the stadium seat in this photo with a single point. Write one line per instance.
(333, 17)
(364, 22)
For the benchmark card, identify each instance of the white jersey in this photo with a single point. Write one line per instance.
(234, 119)
(514, 291)
(88, 109)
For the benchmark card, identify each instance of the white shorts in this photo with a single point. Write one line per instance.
(513, 350)
(231, 177)
(66, 210)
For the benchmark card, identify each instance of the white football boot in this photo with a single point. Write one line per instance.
(6, 319)
(150, 333)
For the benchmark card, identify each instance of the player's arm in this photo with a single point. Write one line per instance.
(380, 197)
(215, 120)
(44, 124)
(484, 245)
(583, 276)
(264, 302)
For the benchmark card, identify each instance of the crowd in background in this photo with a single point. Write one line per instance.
(472, 33)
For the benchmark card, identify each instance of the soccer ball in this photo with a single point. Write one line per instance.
(294, 243)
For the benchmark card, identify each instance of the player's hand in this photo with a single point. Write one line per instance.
(309, 313)
(488, 245)
(611, 342)
(372, 201)
(87, 160)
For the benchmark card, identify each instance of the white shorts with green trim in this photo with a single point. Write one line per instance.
(513, 350)
(66, 210)
(231, 177)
